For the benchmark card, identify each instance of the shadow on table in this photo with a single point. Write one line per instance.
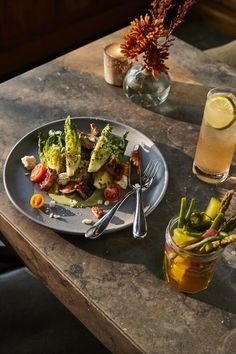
(185, 102)
(123, 248)
(222, 289)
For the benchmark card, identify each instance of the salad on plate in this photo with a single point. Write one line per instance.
(79, 169)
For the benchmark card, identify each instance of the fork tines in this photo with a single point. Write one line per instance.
(151, 169)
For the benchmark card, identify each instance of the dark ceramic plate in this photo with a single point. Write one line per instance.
(19, 188)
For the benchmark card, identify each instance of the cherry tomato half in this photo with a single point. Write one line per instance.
(112, 192)
(36, 201)
(38, 173)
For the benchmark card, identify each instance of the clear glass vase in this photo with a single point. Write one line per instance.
(141, 87)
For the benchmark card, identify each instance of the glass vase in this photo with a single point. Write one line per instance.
(141, 87)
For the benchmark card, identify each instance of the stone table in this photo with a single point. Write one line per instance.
(114, 284)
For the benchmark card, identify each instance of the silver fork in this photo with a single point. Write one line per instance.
(98, 228)
(140, 223)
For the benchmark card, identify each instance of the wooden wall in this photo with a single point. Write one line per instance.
(219, 13)
(35, 31)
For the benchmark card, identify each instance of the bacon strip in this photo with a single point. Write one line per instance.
(114, 168)
(49, 180)
(94, 130)
(86, 143)
(97, 212)
(69, 188)
(85, 188)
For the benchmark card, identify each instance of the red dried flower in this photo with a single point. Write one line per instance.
(150, 35)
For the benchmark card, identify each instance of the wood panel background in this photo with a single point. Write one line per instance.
(35, 31)
(220, 13)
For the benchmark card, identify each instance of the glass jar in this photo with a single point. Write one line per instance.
(184, 270)
(141, 87)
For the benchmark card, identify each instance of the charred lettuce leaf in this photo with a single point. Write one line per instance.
(51, 150)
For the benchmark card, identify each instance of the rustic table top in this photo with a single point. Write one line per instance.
(114, 284)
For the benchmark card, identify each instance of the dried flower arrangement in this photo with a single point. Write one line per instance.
(150, 35)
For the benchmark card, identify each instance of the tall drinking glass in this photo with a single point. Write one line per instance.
(217, 138)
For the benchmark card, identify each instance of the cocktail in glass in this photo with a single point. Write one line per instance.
(217, 138)
(187, 271)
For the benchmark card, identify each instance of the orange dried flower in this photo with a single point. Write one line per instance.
(150, 35)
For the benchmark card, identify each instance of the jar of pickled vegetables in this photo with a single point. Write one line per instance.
(184, 270)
